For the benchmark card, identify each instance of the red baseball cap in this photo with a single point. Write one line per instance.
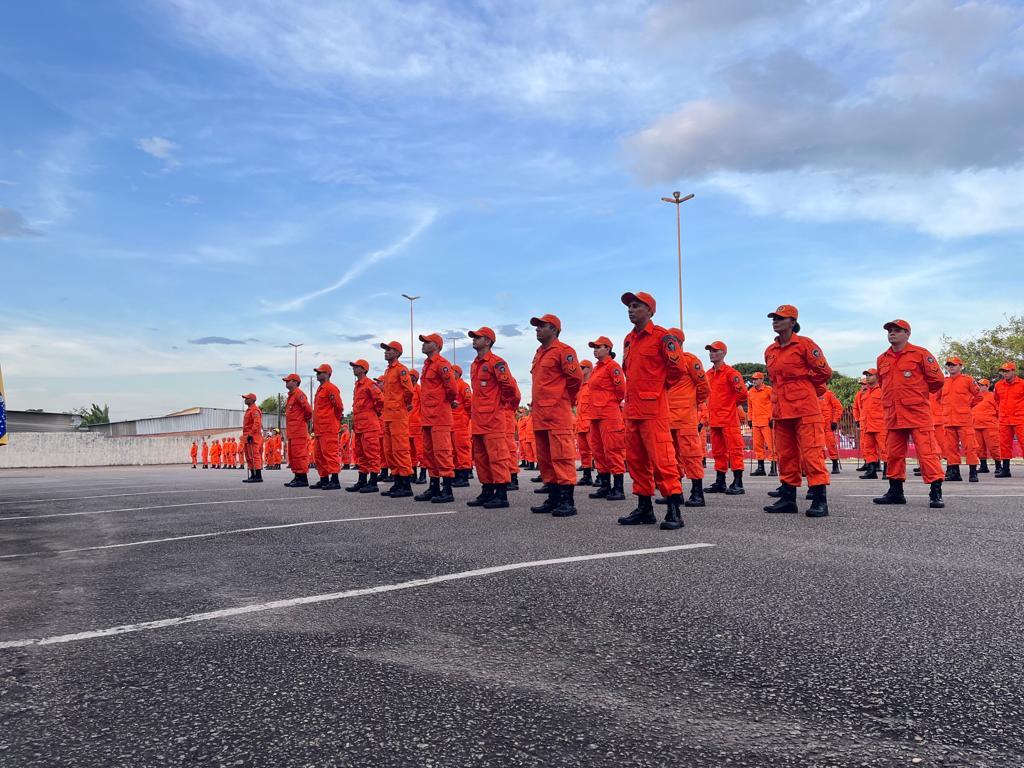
(293, 377)
(457, 368)
(954, 361)
(434, 337)
(485, 332)
(785, 310)
(361, 363)
(586, 364)
(899, 324)
(414, 374)
(1009, 365)
(395, 345)
(986, 382)
(643, 298)
(249, 396)
(323, 368)
(717, 345)
(757, 375)
(870, 372)
(550, 319)
(600, 341)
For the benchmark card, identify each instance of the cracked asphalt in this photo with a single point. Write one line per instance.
(874, 637)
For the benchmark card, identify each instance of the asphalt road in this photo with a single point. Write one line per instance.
(874, 637)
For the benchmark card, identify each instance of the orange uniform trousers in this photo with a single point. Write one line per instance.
(586, 456)
(651, 455)
(689, 453)
(987, 441)
(961, 439)
(727, 447)
(1006, 434)
(608, 441)
(763, 443)
(873, 444)
(298, 455)
(416, 447)
(896, 441)
(327, 455)
(491, 457)
(556, 456)
(529, 449)
(396, 448)
(463, 447)
(438, 455)
(367, 451)
(254, 454)
(800, 444)
(831, 446)
(939, 440)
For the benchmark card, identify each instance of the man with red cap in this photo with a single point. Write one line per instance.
(399, 395)
(831, 412)
(607, 437)
(416, 432)
(652, 365)
(986, 427)
(959, 396)
(495, 395)
(858, 397)
(727, 392)
(206, 454)
(582, 425)
(193, 452)
(297, 413)
(367, 407)
(759, 417)
(1009, 397)
(684, 398)
(526, 440)
(252, 435)
(872, 426)
(908, 375)
(462, 441)
(438, 397)
(328, 410)
(557, 378)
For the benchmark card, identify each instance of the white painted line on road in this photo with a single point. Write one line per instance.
(331, 596)
(163, 506)
(944, 495)
(220, 533)
(115, 495)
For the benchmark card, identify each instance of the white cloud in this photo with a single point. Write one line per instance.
(13, 224)
(158, 147)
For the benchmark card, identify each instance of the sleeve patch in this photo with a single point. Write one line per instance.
(816, 352)
(444, 369)
(568, 358)
(405, 373)
(500, 367)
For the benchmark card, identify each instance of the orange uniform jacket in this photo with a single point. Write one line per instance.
(464, 406)
(414, 415)
(1010, 401)
(194, 452)
(437, 392)
(799, 373)
(906, 380)
(985, 414)
(653, 364)
(831, 408)
(557, 378)
(959, 395)
(872, 415)
(252, 425)
(297, 413)
(399, 393)
(759, 406)
(607, 390)
(583, 409)
(727, 392)
(367, 406)
(206, 453)
(495, 391)
(687, 394)
(327, 410)
(857, 399)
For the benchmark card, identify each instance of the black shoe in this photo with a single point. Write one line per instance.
(249, 477)
(445, 495)
(953, 473)
(616, 493)
(819, 502)
(500, 498)
(885, 470)
(333, 484)
(420, 479)
(835, 471)
(673, 515)
(983, 469)
(402, 489)
(870, 472)
(719, 485)
(777, 493)
(537, 479)
(759, 472)
(320, 484)
(736, 486)
(588, 477)
(299, 481)
(696, 494)
(485, 495)
(786, 502)
(935, 496)
(551, 503)
(544, 488)
(461, 479)
(774, 470)
(371, 484)
(433, 490)
(566, 505)
(972, 474)
(604, 486)
(513, 484)
(863, 467)
(642, 515)
(255, 477)
(359, 484)
(384, 476)
(1002, 468)
(894, 495)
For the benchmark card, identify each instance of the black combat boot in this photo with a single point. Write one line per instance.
(871, 471)
(642, 515)
(863, 467)
(759, 472)
(604, 485)
(371, 484)
(485, 495)
(972, 474)
(719, 485)
(1002, 468)
(696, 494)
(736, 486)
(513, 484)
(935, 496)
(445, 495)
(983, 469)
(334, 483)
(954, 474)
(320, 483)
(500, 498)
(566, 502)
(402, 489)
(819, 503)
(835, 471)
(773, 471)
(385, 476)
(588, 477)
(551, 503)
(537, 479)
(543, 489)
(359, 484)
(894, 495)
(673, 514)
(434, 489)
(461, 479)
(299, 481)
(777, 493)
(786, 500)
(885, 470)
(616, 493)
(422, 478)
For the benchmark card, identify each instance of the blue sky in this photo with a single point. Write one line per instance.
(188, 185)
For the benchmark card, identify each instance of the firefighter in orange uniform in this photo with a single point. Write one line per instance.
(399, 394)
(652, 364)
(526, 439)
(367, 407)
(206, 454)
(759, 417)
(799, 374)
(684, 397)
(858, 397)
(215, 453)
(1009, 397)
(872, 427)
(345, 446)
(582, 425)
(328, 410)
(297, 413)
(252, 434)
(986, 426)
(495, 395)
(831, 413)
(727, 392)
(312, 450)
(416, 432)
(194, 453)
(959, 396)
(438, 397)
(557, 378)
(939, 427)
(462, 441)
(908, 374)
(607, 437)
(513, 447)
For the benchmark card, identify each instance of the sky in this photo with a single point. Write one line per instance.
(186, 186)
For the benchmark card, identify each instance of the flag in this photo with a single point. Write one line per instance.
(3, 412)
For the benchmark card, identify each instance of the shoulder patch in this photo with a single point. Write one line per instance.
(736, 379)
(696, 365)
(931, 359)
(568, 358)
(500, 368)
(444, 369)
(404, 373)
(670, 344)
(816, 352)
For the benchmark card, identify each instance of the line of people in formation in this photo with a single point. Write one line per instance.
(643, 414)
(229, 452)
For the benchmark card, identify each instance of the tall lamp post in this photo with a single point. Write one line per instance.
(295, 346)
(678, 199)
(455, 344)
(412, 334)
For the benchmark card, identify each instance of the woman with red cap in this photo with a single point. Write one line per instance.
(297, 413)
(607, 436)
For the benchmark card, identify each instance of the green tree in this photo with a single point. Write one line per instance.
(94, 414)
(269, 404)
(746, 369)
(845, 387)
(984, 353)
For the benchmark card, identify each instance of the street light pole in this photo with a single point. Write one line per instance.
(295, 346)
(412, 334)
(455, 343)
(678, 199)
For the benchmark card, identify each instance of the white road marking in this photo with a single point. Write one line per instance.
(944, 495)
(115, 495)
(163, 506)
(332, 596)
(220, 533)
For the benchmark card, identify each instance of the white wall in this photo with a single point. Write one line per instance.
(82, 449)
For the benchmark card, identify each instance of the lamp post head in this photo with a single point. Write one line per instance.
(677, 195)
(410, 298)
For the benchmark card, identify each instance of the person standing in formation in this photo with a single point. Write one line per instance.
(367, 406)
(986, 427)
(759, 417)
(872, 427)
(1009, 397)
(416, 432)
(513, 447)
(727, 392)
(206, 454)
(831, 412)
(582, 425)
(526, 440)
(858, 397)
(607, 390)
(328, 410)
(297, 413)
(557, 378)
(495, 394)
(194, 454)
(438, 397)
(462, 443)
(398, 404)
(959, 396)
(215, 453)
(252, 434)
(684, 398)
